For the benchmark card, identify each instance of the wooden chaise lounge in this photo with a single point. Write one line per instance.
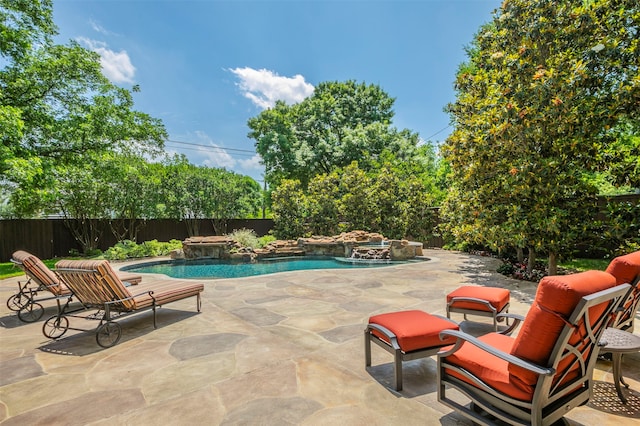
(42, 279)
(97, 286)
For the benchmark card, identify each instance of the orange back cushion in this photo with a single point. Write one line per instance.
(556, 298)
(625, 268)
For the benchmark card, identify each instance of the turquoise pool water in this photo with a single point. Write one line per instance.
(214, 268)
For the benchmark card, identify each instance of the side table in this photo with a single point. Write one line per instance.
(619, 342)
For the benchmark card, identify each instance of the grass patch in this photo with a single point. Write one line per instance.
(8, 269)
(581, 265)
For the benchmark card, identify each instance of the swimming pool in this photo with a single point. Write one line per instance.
(216, 268)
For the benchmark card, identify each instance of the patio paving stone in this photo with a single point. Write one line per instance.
(281, 349)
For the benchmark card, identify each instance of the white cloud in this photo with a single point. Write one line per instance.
(116, 66)
(203, 151)
(264, 87)
(252, 164)
(215, 156)
(99, 28)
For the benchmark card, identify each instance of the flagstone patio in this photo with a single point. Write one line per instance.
(282, 349)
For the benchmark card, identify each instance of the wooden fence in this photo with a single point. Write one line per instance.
(49, 238)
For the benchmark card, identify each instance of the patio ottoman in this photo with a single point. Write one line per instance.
(407, 335)
(475, 300)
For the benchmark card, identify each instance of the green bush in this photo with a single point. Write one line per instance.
(264, 240)
(129, 249)
(245, 237)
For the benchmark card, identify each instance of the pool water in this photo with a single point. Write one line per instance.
(215, 268)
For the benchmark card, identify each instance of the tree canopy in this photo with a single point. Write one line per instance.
(56, 104)
(340, 123)
(546, 85)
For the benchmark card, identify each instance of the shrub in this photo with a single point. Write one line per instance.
(263, 241)
(245, 237)
(128, 249)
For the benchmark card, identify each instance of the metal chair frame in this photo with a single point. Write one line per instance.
(399, 356)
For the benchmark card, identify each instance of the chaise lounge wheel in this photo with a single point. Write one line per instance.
(55, 327)
(108, 334)
(17, 302)
(32, 312)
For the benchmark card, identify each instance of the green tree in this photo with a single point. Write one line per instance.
(192, 193)
(23, 24)
(133, 185)
(338, 124)
(323, 197)
(56, 105)
(357, 205)
(622, 158)
(544, 85)
(390, 200)
(235, 197)
(79, 195)
(289, 207)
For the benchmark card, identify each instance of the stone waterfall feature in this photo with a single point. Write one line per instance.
(355, 244)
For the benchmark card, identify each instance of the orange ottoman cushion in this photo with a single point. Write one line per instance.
(414, 329)
(497, 297)
(625, 268)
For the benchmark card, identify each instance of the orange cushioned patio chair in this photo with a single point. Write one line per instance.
(96, 285)
(40, 279)
(626, 269)
(617, 337)
(544, 372)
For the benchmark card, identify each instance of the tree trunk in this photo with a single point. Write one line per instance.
(553, 263)
(86, 232)
(532, 259)
(220, 226)
(520, 254)
(193, 227)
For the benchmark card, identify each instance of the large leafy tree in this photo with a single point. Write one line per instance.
(133, 185)
(290, 209)
(80, 195)
(545, 85)
(23, 24)
(340, 123)
(56, 104)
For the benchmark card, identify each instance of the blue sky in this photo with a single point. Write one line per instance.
(206, 66)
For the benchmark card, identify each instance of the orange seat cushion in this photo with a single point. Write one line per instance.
(556, 298)
(414, 329)
(492, 370)
(625, 268)
(497, 297)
